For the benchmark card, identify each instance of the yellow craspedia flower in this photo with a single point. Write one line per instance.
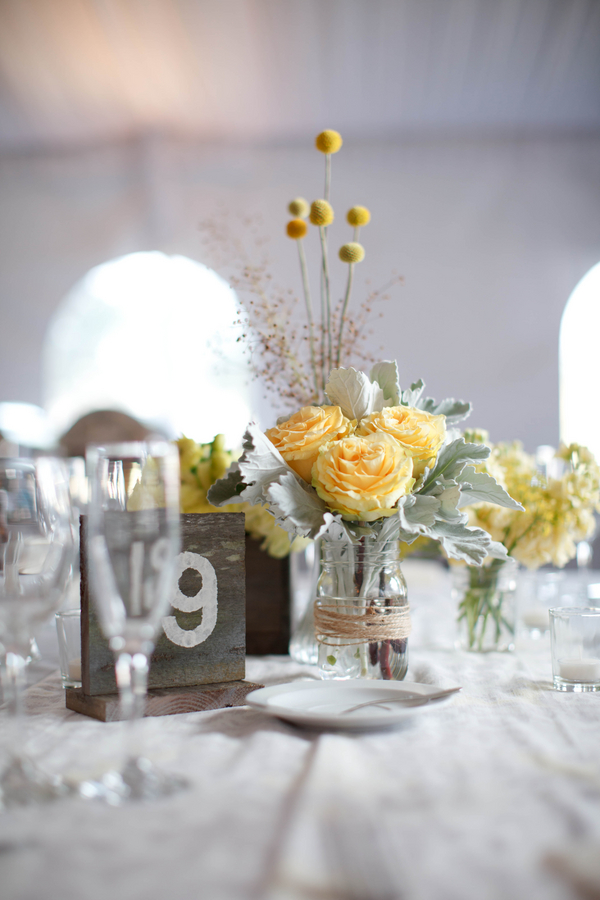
(352, 252)
(296, 229)
(328, 141)
(299, 208)
(358, 216)
(321, 212)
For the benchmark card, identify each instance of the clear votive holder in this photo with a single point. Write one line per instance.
(575, 642)
(68, 629)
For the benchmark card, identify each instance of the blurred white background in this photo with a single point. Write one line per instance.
(471, 130)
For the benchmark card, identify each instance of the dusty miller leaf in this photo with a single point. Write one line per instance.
(385, 374)
(498, 550)
(463, 542)
(454, 410)
(453, 458)
(354, 393)
(417, 516)
(297, 507)
(227, 489)
(412, 397)
(478, 487)
(448, 494)
(259, 465)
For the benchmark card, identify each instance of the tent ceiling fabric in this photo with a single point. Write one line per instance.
(85, 70)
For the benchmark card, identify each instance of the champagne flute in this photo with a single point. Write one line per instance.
(132, 544)
(36, 553)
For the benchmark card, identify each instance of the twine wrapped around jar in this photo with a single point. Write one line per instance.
(334, 627)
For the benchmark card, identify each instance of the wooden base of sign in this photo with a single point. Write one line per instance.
(164, 701)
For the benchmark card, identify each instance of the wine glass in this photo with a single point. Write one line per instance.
(36, 553)
(133, 542)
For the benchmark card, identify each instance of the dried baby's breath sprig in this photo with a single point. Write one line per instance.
(299, 208)
(296, 229)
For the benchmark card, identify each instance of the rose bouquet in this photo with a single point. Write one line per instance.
(558, 513)
(361, 465)
(372, 467)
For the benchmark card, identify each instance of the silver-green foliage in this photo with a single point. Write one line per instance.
(261, 475)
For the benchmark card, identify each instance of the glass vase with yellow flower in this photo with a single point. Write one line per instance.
(373, 467)
(554, 515)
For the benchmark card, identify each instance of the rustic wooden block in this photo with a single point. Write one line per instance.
(203, 639)
(267, 601)
(166, 702)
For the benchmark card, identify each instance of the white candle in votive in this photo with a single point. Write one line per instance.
(537, 617)
(583, 670)
(75, 669)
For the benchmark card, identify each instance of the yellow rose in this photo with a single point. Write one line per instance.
(299, 438)
(363, 477)
(420, 433)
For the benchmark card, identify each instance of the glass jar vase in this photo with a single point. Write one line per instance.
(486, 597)
(362, 618)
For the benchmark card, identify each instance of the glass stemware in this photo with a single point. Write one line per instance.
(133, 542)
(36, 552)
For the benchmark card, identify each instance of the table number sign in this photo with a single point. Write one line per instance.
(199, 658)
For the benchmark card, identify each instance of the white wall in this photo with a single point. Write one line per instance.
(490, 235)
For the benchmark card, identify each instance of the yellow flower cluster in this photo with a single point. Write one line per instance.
(360, 470)
(201, 465)
(320, 212)
(559, 512)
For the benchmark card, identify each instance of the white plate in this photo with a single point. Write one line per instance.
(320, 704)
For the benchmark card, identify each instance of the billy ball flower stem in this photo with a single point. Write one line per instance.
(343, 315)
(328, 142)
(327, 292)
(358, 216)
(309, 315)
(321, 215)
(351, 253)
(296, 229)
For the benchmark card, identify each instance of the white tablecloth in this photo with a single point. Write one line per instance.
(465, 802)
